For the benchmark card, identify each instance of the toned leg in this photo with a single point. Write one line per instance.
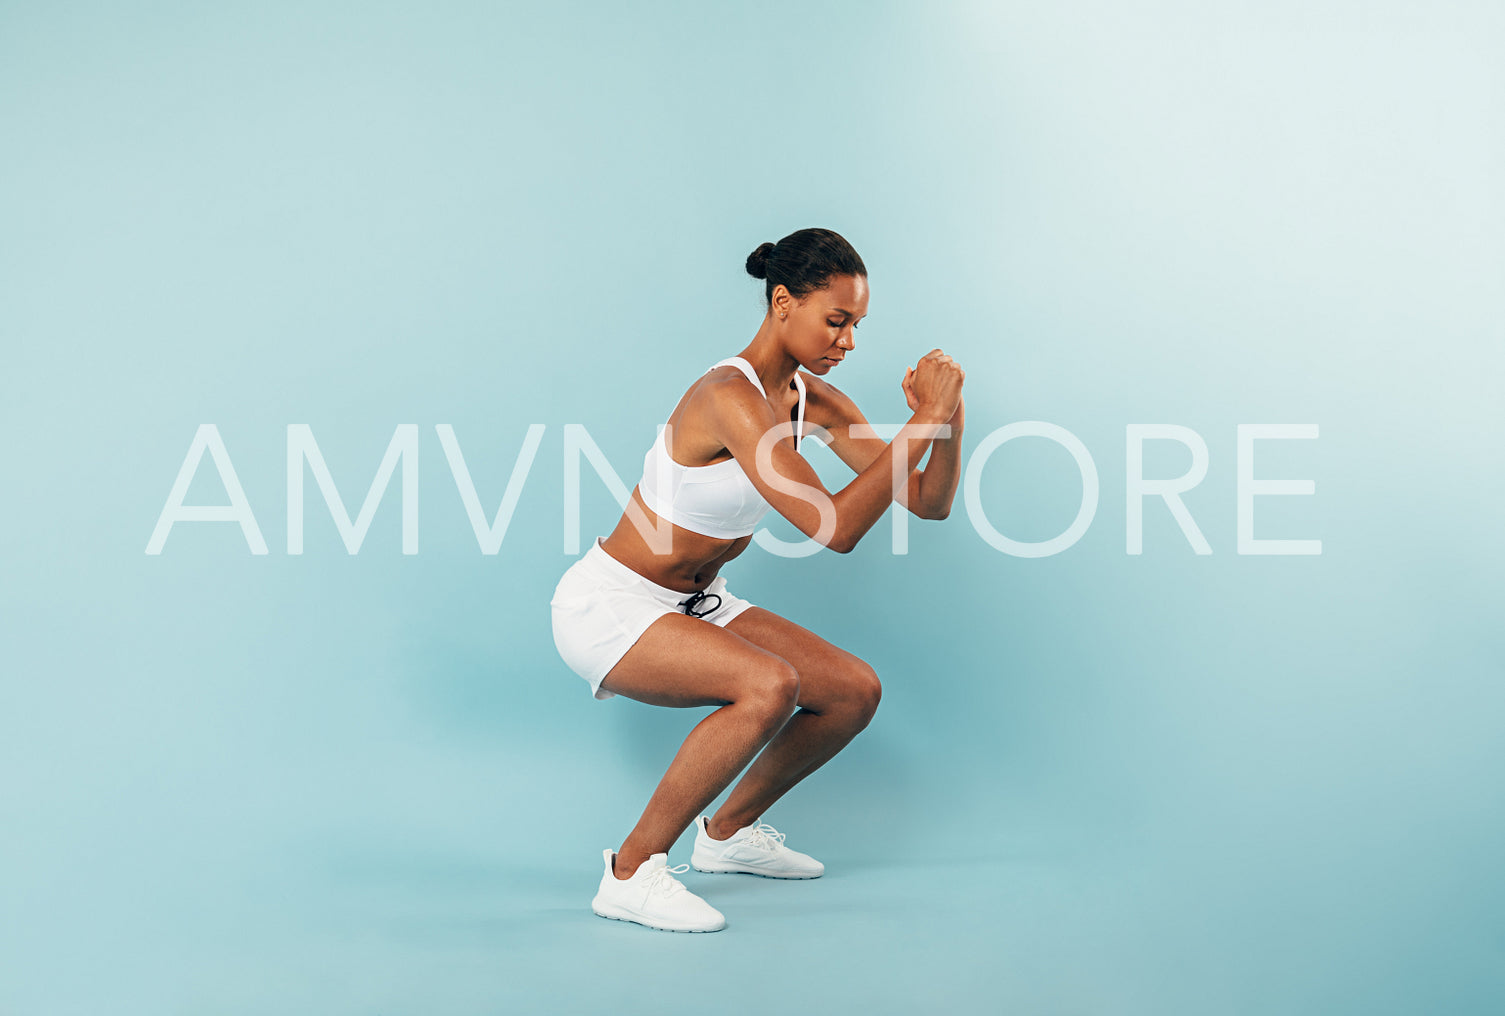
(684, 661)
(838, 694)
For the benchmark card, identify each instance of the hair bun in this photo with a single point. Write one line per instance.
(808, 260)
(757, 261)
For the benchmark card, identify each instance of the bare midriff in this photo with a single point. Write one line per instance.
(693, 563)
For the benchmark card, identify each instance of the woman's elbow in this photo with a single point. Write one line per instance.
(842, 542)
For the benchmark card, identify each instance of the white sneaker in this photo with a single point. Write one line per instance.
(652, 896)
(757, 849)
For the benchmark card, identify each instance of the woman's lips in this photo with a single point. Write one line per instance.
(832, 359)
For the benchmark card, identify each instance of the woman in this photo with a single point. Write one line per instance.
(630, 615)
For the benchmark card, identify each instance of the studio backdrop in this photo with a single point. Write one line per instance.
(333, 333)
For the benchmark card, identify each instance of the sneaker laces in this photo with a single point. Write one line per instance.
(765, 837)
(663, 882)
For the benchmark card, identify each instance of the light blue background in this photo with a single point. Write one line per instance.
(1098, 783)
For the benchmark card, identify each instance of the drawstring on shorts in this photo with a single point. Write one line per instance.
(694, 600)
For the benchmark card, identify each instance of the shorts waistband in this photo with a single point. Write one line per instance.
(605, 560)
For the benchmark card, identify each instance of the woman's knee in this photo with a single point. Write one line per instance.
(774, 686)
(864, 692)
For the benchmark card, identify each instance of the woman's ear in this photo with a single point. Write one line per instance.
(782, 302)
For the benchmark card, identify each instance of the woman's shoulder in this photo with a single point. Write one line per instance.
(819, 389)
(722, 397)
(826, 404)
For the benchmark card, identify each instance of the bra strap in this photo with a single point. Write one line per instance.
(743, 366)
(799, 426)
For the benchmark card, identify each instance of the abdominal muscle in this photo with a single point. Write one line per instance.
(693, 562)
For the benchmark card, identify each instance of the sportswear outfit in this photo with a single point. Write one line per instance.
(601, 607)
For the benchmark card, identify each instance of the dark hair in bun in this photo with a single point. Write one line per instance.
(804, 261)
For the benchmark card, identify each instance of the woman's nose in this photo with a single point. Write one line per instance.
(846, 341)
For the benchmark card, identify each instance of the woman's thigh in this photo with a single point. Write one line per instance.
(830, 677)
(681, 660)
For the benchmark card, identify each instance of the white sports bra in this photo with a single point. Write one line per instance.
(717, 499)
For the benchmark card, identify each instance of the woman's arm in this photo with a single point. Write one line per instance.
(740, 417)
(930, 491)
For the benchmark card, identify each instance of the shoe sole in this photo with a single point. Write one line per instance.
(630, 918)
(733, 870)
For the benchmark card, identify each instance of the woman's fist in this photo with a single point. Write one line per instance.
(934, 385)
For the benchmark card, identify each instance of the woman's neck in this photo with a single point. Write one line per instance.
(774, 366)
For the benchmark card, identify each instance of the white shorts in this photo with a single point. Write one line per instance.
(601, 607)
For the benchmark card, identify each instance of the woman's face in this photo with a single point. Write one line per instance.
(820, 329)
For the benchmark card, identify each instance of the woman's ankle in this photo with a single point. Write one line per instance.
(624, 867)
